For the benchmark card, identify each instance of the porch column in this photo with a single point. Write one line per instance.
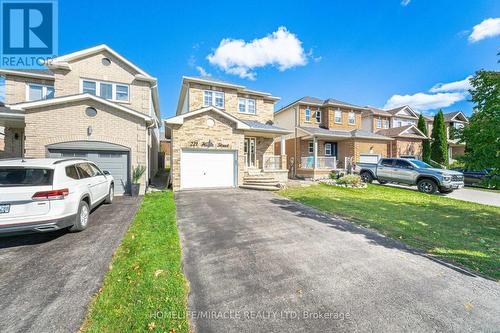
(315, 149)
(283, 165)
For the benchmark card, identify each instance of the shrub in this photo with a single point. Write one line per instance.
(350, 180)
(137, 173)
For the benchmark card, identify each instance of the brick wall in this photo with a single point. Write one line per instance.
(11, 145)
(15, 87)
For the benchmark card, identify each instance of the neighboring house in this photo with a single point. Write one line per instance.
(92, 103)
(407, 141)
(326, 134)
(165, 149)
(222, 133)
(453, 121)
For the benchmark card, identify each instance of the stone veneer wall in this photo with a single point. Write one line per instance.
(10, 146)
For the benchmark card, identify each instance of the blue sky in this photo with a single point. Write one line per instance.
(363, 52)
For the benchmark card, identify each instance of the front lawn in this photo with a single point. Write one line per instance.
(462, 232)
(145, 288)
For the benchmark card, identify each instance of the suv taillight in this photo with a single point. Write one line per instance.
(51, 195)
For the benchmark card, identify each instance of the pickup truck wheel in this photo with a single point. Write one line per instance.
(427, 186)
(82, 218)
(366, 177)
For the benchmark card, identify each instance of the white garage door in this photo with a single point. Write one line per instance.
(207, 168)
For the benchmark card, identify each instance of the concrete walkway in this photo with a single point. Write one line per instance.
(257, 262)
(477, 196)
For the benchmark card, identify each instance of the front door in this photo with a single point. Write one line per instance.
(250, 152)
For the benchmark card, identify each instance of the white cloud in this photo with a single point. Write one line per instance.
(202, 71)
(462, 85)
(424, 102)
(281, 49)
(486, 29)
(405, 3)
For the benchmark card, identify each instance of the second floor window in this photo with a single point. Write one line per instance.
(106, 90)
(386, 123)
(379, 122)
(307, 115)
(318, 116)
(38, 92)
(246, 105)
(215, 98)
(352, 118)
(338, 116)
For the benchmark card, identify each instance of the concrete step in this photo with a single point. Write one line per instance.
(260, 187)
(276, 184)
(260, 181)
(259, 178)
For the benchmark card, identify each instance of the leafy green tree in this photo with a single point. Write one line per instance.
(439, 145)
(482, 134)
(426, 144)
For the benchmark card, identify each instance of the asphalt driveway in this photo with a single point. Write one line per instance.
(47, 280)
(257, 262)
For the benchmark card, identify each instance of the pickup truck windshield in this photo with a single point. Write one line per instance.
(420, 164)
(25, 176)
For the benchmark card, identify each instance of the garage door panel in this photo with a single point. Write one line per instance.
(205, 169)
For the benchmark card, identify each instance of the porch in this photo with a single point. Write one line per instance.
(12, 140)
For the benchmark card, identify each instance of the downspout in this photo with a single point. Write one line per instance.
(295, 164)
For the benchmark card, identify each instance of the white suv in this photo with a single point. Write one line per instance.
(49, 194)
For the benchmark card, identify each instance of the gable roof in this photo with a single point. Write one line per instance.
(75, 98)
(377, 112)
(179, 120)
(395, 111)
(402, 131)
(456, 114)
(62, 61)
(320, 102)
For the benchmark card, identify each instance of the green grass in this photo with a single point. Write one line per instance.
(458, 231)
(145, 288)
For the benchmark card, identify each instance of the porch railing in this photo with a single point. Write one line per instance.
(322, 162)
(272, 162)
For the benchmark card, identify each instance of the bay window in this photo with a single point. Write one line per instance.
(379, 122)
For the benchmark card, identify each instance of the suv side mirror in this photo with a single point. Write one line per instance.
(106, 173)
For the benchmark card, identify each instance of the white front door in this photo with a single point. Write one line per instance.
(207, 168)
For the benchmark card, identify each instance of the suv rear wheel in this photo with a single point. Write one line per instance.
(82, 218)
(111, 193)
(427, 186)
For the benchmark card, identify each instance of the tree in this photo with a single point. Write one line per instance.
(426, 144)
(482, 134)
(439, 145)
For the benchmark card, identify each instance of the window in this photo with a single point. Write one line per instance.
(403, 164)
(338, 116)
(215, 98)
(90, 87)
(387, 162)
(106, 90)
(38, 92)
(25, 177)
(311, 147)
(318, 116)
(84, 170)
(328, 149)
(246, 105)
(386, 123)
(121, 92)
(95, 170)
(399, 123)
(379, 122)
(352, 118)
(307, 115)
(71, 172)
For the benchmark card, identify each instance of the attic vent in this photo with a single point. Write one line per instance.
(106, 61)
(91, 112)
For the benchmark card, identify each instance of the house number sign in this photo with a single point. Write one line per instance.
(207, 144)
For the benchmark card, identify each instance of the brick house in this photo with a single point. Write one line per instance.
(222, 135)
(453, 121)
(326, 134)
(93, 104)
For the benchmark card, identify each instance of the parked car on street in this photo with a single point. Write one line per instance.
(411, 172)
(41, 195)
(475, 178)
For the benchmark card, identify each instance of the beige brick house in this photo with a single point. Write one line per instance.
(93, 104)
(327, 134)
(222, 136)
